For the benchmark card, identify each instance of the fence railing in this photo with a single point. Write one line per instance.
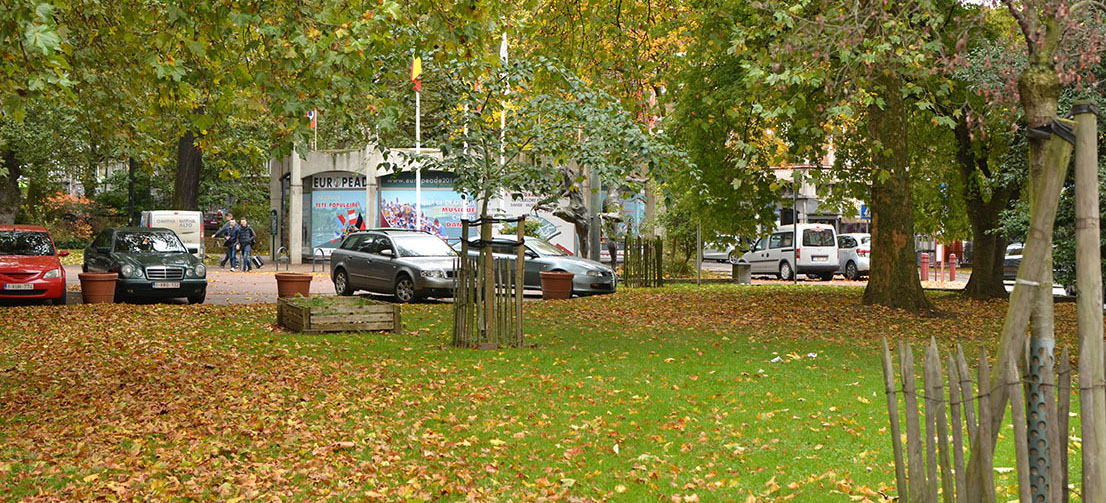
(487, 300)
(950, 412)
(642, 264)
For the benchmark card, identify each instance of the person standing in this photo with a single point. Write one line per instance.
(246, 236)
(229, 233)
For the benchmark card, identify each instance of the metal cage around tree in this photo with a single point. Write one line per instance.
(487, 302)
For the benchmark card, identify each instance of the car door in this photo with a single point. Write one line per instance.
(846, 249)
(755, 256)
(533, 265)
(381, 270)
(352, 255)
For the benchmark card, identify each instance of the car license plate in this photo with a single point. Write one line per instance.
(19, 286)
(819, 258)
(166, 284)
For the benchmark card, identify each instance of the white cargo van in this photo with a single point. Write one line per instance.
(189, 226)
(776, 254)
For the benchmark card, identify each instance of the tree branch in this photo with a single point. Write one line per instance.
(1023, 23)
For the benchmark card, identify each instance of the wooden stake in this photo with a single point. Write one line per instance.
(914, 466)
(957, 431)
(893, 414)
(1021, 435)
(935, 397)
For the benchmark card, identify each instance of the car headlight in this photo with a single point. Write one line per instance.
(129, 271)
(201, 271)
(597, 274)
(56, 273)
(436, 273)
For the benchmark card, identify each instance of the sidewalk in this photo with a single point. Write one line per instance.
(225, 287)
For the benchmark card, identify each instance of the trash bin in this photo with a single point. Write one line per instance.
(741, 274)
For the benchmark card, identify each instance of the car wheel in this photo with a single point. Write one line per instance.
(850, 271)
(198, 299)
(341, 283)
(84, 267)
(60, 301)
(826, 277)
(785, 271)
(405, 289)
(734, 258)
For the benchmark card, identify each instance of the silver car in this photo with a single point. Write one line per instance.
(854, 254)
(407, 264)
(590, 277)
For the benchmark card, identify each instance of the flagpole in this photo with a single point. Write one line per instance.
(503, 119)
(315, 142)
(418, 168)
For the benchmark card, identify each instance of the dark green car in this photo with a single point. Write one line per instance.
(152, 263)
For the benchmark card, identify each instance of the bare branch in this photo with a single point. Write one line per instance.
(1024, 24)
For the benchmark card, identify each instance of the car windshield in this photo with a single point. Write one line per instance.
(815, 237)
(148, 242)
(25, 243)
(423, 245)
(544, 248)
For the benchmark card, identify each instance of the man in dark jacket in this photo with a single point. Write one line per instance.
(229, 233)
(246, 236)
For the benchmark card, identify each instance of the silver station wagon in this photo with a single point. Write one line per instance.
(405, 263)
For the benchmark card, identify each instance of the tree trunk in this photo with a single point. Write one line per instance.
(186, 189)
(9, 188)
(893, 280)
(989, 245)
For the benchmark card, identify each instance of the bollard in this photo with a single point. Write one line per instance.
(941, 275)
(952, 267)
(925, 266)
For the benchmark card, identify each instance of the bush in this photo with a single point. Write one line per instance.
(532, 229)
(73, 220)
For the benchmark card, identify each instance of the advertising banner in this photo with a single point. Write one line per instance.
(442, 207)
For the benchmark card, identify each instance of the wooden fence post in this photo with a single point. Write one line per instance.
(893, 413)
(914, 466)
(935, 397)
(957, 431)
(1021, 434)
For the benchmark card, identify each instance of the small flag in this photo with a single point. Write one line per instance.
(313, 115)
(416, 73)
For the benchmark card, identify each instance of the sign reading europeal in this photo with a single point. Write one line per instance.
(336, 181)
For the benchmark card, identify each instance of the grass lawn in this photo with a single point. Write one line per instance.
(646, 395)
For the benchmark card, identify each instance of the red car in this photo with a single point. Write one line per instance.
(29, 265)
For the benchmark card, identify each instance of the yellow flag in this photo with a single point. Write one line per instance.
(416, 69)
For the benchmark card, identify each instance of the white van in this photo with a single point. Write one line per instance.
(776, 254)
(189, 226)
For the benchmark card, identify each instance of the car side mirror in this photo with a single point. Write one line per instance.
(63, 253)
(387, 252)
(531, 254)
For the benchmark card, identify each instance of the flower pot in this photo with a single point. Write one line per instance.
(556, 284)
(291, 283)
(98, 287)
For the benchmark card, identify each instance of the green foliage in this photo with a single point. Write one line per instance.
(531, 228)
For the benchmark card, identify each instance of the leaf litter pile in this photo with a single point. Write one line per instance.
(680, 394)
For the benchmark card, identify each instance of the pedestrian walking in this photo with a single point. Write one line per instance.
(246, 237)
(229, 233)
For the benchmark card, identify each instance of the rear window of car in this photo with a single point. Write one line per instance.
(25, 243)
(816, 237)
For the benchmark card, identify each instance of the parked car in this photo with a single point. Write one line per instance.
(408, 264)
(854, 253)
(589, 277)
(29, 265)
(721, 252)
(152, 263)
(776, 254)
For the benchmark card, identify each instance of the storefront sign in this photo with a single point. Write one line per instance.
(338, 181)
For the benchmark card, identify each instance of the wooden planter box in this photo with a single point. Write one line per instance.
(313, 315)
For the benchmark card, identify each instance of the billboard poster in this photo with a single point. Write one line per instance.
(552, 229)
(333, 212)
(442, 207)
